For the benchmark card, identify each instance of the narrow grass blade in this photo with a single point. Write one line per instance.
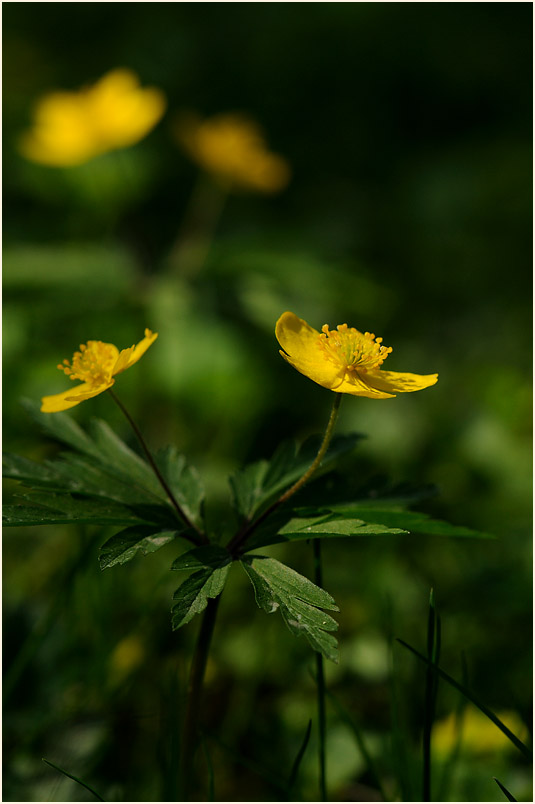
(504, 790)
(320, 686)
(431, 689)
(299, 757)
(210, 767)
(74, 778)
(471, 697)
(372, 770)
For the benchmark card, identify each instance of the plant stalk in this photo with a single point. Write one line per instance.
(248, 527)
(191, 718)
(197, 539)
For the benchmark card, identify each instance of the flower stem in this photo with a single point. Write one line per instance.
(191, 718)
(199, 538)
(320, 685)
(249, 527)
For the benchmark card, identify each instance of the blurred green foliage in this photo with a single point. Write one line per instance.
(408, 128)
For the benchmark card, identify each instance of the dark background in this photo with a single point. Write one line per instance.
(408, 128)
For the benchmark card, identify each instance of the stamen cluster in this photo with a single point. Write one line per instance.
(93, 363)
(353, 349)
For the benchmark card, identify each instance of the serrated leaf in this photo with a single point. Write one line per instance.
(208, 556)
(184, 481)
(256, 483)
(321, 527)
(126, 544)
(55, 509)
(206, 582)
(300, 601)
(411, 521)
(125, 463)
(61, 427)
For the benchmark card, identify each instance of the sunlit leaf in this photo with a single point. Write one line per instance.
(300, 602)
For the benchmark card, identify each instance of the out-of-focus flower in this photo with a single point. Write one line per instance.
(71, 128)
(127, 656)
(479, 735)
(96, 365)
(232, 148)
(344, 360)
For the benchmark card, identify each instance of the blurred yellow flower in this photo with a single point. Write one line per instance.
(129, 653)
(71, 128)
(233, 149)
(96, 364)
(344, 360)
(479, 735)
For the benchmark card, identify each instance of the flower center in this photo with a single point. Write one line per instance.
(352, 349)
(93, 363)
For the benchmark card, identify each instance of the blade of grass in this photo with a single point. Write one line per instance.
(372, 770)
(504, 790)
(471, 697)
(445, 781)
(74, 778)
(300, 754)
(398, 743)
(211, 785)
(431, 689)
(320, 684)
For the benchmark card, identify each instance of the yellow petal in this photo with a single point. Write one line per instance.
(322, 371)
(71, 397)
(299, 339)
(127, 357)
(355, 383)
(396, 382)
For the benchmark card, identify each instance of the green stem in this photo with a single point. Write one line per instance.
(320, 685)
(191, 718)
(249, 527)
(196, 539)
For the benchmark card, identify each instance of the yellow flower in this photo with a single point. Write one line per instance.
(479, 734)
(71, 128)
(344, 360)
(96, 364)
(232, 147)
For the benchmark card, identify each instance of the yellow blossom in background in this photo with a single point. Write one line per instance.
(129, 653)
(71, 128)
(478, 734)
(96, 365)
(232, 148)
(344, 360)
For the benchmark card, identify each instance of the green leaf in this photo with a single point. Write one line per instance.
(412, 521)
(124, 546)
(255, 484)
(55, 509)
(206, 582)
(326, 526)
(61, 427)
(184, 482)
(300, 601)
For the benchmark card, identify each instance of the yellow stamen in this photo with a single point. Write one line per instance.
(93, 363)
(352, 349)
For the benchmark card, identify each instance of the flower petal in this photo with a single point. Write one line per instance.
(71, 397)
(321, 371)
(127, 357)
(355, 383)
(299, 339)
(396, 382)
